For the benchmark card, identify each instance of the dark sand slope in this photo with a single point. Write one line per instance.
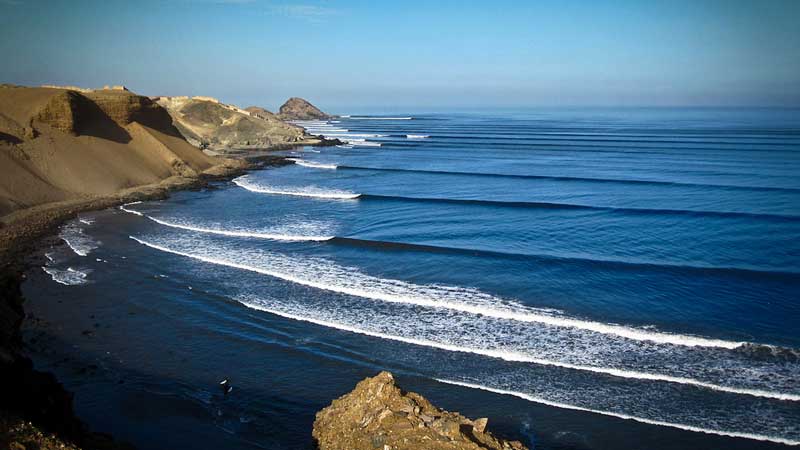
(61, 152)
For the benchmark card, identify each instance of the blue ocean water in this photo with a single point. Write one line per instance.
(585, 278)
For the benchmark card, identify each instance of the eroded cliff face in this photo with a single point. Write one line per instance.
(59, 144)
(378, 415)
(299, 109)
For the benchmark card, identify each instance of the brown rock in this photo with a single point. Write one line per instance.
(479, 425)
(299, 109)
(377, 414)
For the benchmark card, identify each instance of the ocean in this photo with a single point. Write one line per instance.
(587, 279)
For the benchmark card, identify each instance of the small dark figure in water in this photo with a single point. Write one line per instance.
(226, 386)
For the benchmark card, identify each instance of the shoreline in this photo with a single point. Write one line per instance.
(36, 403)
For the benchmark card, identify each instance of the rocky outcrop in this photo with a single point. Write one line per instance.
(299, 109)
(62, 112)
(217, 126)
(378, 415)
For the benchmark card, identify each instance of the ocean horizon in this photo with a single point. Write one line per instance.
(587, 278)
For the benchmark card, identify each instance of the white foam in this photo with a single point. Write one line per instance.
(69, 277)
(355, 135)
(241, 233)
(393, 291)
(417, 136)
(304, 163)
(130, 211)
(520, 357)
(381, 118)
(366, 144)
(505, 339)
(531, 398)
(307, 191)
(75, 238)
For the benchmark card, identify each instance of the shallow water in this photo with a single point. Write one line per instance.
(586, 279)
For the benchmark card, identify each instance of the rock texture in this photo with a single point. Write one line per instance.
(299, 109)
(378, 415)
(210, 124)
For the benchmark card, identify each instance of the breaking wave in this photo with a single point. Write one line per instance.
(80, 243)
(304, 163)
(308, 191)
(68, 277)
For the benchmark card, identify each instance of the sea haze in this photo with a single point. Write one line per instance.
(584, 278)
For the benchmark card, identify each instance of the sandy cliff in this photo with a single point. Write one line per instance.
(59, 144)
(378, 415)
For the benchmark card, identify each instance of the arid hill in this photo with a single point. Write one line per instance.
(208, 123)
(258, 111)
(299, 109)
(378, 415)
(60, 144)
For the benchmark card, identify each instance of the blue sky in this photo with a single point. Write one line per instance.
(415, 54)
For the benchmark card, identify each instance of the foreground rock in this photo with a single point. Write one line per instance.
(378, 415)
(299, 109)
(210, 124)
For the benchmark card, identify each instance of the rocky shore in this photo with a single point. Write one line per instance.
(379, 415)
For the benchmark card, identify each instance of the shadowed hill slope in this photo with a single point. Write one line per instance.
(60, 144)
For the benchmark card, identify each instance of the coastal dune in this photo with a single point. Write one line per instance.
(60, 144)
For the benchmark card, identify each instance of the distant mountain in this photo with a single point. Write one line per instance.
(206, 122)
(299, 109)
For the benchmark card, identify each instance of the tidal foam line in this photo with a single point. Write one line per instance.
(246, 234)
(531, 398)
(520, 357)
(380, 118)
(130, 211)
(304, 163)
(69, 277)
(309, 192)
(507, 314)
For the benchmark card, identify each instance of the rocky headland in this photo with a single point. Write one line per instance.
(379, 415)
(207, 123)
(299, 109)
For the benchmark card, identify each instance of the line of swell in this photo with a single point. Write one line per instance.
(389, 245)
(635, 141)
(321, 194)
(550, 205)
(247, 234)
(505, 314)
(518, 357)
(442, 143)
(564, 178)
(531, 398)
